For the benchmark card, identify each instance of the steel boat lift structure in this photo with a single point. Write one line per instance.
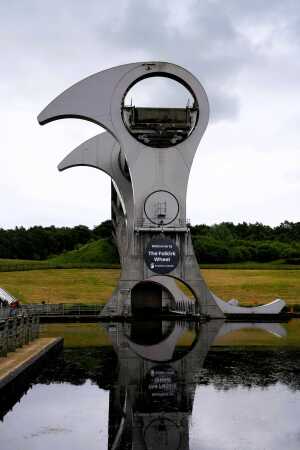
(148, 153)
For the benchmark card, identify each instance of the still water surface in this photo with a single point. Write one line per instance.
(163, 385)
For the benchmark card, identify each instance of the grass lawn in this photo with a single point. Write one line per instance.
(254, 286)
(97, 285)
(61, 285)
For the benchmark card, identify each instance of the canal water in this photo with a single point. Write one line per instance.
(161, 385)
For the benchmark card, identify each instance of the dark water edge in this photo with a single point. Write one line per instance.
(224, 368)
(244, 367)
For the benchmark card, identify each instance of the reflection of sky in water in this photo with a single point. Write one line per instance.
(57, 416)
(245, 419)
(76, 417)
(62, 415)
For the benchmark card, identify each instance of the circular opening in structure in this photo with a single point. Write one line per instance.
(149, 298)
(160, 111)
(161, 207)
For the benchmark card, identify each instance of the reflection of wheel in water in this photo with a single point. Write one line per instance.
(161, 341)
(162, 433)
(150, 332)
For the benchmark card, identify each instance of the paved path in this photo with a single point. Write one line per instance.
(16, 362)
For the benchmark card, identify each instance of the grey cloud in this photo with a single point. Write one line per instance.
(223, 106)
(232, 47)
(208, 45)
(65, 38)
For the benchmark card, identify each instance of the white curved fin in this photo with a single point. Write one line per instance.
(274, 307)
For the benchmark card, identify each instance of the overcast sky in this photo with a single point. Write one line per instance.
(246, 55)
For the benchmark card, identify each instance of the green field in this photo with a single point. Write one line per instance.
(61, 285)
(96, 285)
(88, 257)
(255, 286)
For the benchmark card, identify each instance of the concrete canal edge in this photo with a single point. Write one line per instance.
(25, 358)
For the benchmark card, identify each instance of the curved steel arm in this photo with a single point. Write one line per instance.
(102, 152)
(95, 152)
(88, 99)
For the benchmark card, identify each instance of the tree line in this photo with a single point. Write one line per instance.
(39, 243)
(222, 243)
(226, 242)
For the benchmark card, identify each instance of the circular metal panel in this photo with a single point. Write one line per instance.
(161, 127)
(161, 207)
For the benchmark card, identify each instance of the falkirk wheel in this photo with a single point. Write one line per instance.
(148, 153)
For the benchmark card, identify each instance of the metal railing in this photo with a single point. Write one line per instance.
(48, 265)
(63, 309)
(188, 308)
(143, 222)
(17, 328)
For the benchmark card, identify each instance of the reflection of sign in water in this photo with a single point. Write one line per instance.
(161, 255)
(161, 387)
